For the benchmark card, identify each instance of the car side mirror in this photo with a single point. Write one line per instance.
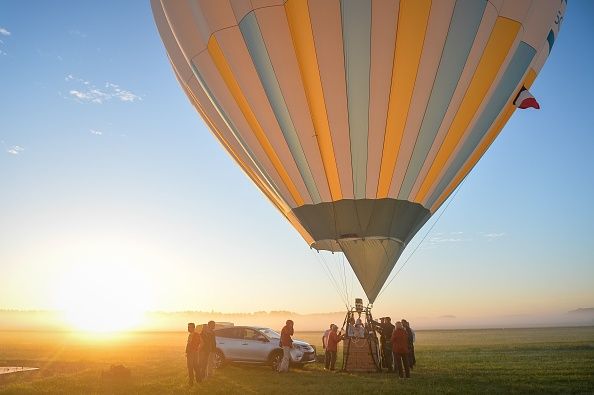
(263, 339)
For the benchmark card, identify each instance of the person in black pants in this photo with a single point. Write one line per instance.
(412, 361)
(385, 328)
(400, 350)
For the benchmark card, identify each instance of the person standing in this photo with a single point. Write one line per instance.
(192, 347)
(412, 361)
(286, 343)
(400, 349)
(325, 345)
(351, 326)
(332, 348)
(379, 327)
(386, 329)
(207, 350)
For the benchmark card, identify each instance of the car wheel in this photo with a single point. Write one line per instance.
(275, 360)
(219, 359)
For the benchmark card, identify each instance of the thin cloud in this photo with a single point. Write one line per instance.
(3, 32)
(438, 240)
(494, 236)
(452, 237)
(78, 33)
(96, 132)
(122, 94)
(15, 150)
(89, 93)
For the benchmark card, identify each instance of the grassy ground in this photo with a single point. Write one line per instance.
(552, 360)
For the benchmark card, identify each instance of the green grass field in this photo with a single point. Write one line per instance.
(495, 361)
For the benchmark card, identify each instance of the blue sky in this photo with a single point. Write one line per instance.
(104, 163)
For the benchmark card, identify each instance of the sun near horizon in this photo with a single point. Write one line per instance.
(103, 298)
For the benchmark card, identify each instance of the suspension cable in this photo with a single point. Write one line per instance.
(330, 276)
(450, 200)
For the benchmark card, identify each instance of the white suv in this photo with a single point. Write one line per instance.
(257, 345)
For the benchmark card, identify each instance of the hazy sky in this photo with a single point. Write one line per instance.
(105, 166)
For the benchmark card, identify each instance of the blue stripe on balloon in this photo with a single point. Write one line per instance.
(356, 34)
(464, 25)
(551, 40)
(503, 93)
(229, 122)
(257, 49)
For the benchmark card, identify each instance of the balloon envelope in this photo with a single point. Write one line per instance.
(357, 119)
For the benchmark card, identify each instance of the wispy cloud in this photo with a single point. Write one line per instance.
(438, 239)
(122, 94)
(451, 237)
(89, 93)
(96, 132)
(78, 33)
(3, 32)
(92, 95)
(494, 236)
(15, 150)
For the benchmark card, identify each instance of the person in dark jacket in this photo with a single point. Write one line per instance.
(325, 345)
(334, 338)
(412, 361)
(400, 349)
(207, 349)
(286, 343)
(192, 347)
(385, 328)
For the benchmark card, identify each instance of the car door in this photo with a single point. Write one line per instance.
(255, 346)
(229, 342)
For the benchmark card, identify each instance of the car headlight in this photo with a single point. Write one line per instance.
(303, 347)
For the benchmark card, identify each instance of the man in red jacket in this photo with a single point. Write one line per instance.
(400, 349)
(286, 343)
(332, 347)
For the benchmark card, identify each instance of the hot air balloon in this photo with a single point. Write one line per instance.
(357, 118)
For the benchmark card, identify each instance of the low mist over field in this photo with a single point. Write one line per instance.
(173, 321)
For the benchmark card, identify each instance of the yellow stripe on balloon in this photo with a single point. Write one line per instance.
(500, 42)
(413, 17)
(278, 202)
(484, 145)
(220, 62)
(301, 32)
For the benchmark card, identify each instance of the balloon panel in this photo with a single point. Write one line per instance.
(337, 107)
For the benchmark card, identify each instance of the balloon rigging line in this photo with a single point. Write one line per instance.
(346, 284)
(424, 237)
(336, 280)
(344, 277)
(331, 276)
(328, 272)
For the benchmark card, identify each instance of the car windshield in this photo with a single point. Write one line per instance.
(270, 333)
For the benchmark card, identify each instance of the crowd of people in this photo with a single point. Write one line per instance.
(397, 351)
(200, 352)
